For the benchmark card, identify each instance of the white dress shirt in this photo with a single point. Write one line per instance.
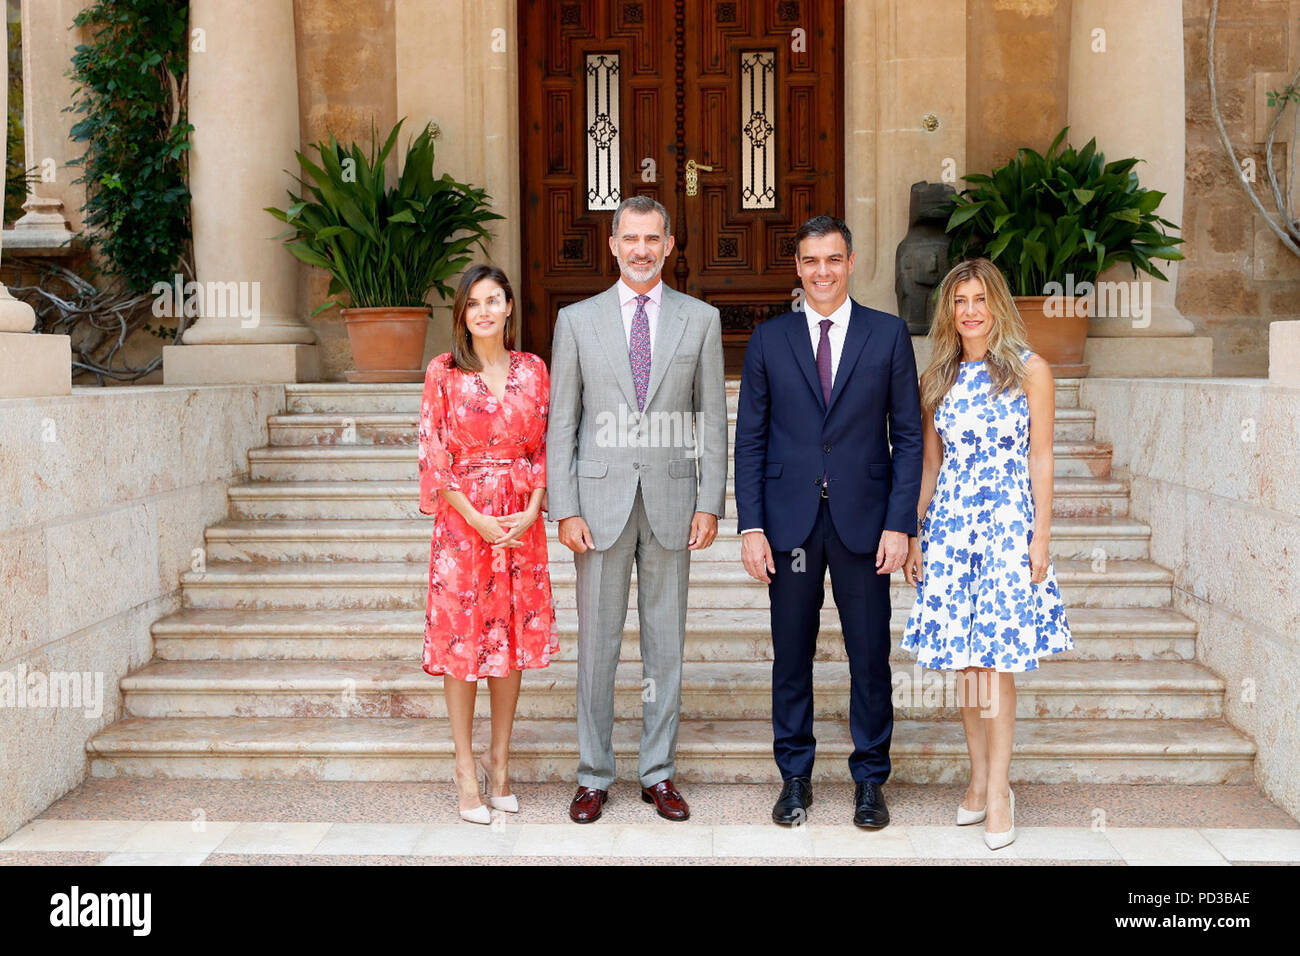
(836, 333)
(627, 301)
(839, 328)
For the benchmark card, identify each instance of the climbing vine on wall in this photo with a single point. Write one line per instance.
(131, 85)
(130, 95)
(15, 173)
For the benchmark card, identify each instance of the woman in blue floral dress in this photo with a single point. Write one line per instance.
(987, 602)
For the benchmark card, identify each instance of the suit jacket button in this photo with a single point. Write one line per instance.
(826, 447)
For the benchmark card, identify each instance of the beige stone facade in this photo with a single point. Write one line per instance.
(931, 85)
(250, 542)
(1238, 277)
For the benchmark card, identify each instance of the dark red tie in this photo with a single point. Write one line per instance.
(824, 360)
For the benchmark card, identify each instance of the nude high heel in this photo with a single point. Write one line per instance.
(479, 814)
(996, 841)
(508, 804)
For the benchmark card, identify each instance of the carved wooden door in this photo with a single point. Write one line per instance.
(729, 113)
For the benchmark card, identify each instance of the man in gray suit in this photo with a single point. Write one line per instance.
(636, 460)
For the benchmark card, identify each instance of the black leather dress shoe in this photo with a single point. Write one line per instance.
(869, 808)
(792, 806)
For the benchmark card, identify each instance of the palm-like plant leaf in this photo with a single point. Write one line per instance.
(383, 246)
(1068, 212)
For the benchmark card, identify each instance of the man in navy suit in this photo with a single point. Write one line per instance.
(824, 394)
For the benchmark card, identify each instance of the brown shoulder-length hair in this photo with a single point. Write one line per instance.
(463, 355)
(1006, 339)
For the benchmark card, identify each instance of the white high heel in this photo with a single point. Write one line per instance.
(508, 804)
(996, 841)
(479, 814)
(967, 817)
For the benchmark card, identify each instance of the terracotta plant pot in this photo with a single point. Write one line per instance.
(1058, 338)
(387, 344)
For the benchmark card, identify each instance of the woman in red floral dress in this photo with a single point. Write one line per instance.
(482, 461)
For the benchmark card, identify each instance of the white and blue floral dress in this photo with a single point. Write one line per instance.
(976, 605)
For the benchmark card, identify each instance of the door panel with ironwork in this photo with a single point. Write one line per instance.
(728, 113)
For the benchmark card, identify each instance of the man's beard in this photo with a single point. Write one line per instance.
(642, 273)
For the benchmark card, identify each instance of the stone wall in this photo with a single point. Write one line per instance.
(346, 82)
(1017, 78)
(1238, 276)
(1213, 469)
(908, 65)
(104, 495)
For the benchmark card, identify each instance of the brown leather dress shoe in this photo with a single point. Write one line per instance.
(587, 805)
(668, 802)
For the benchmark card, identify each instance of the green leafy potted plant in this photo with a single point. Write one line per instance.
(1052, 224)
(386, 247)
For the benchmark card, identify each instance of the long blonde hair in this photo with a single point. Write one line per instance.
(1006, 339)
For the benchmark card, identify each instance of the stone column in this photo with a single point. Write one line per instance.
(1130, 96)
(243, 100)
(48, 44)
(29, 364)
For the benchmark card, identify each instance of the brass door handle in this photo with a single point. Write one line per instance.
(693, 177)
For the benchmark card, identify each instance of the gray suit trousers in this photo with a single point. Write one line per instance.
(603, 584)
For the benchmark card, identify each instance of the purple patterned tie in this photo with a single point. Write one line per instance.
(824, 373)
(824, 360)
(639, 351)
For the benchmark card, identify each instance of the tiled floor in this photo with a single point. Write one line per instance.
(191, 822)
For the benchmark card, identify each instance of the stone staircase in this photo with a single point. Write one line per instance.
(296, 651)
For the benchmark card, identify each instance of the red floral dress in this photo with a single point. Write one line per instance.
(488, 610)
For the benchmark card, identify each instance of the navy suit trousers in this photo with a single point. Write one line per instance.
(797, 591)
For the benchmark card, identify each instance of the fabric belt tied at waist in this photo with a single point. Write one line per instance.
(490, 455)
(511, 471)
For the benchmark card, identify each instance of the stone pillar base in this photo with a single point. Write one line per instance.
(43, 227)
(35, 365)
(1284, 353)
(240, 364)
(1163, 323)
(1148, 356)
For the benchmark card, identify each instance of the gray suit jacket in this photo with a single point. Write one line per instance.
(598, 447)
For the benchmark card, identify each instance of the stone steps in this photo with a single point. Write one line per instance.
(408, 539)
(296, 651)
(711, 690)
(329, 397)
(367, 500)
(364, 462)
(397, 585)
(1101, 634)
(725, 751)
(401, 428)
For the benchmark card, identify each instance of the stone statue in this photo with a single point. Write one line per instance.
(922, 256)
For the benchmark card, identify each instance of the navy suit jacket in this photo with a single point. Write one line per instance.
(787, 435)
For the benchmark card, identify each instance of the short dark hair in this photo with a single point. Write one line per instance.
(463, 355)
(640, 203)
(823, 226)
